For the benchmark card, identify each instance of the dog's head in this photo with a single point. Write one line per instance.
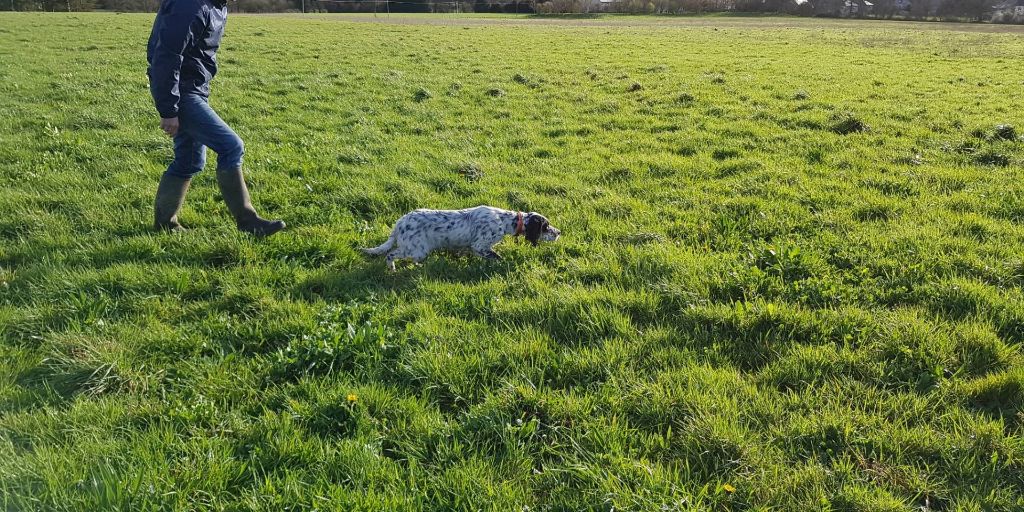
(539, 229)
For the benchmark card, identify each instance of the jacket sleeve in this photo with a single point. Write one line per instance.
(183, 22)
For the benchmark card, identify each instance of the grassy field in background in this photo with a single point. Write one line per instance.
(790, 276)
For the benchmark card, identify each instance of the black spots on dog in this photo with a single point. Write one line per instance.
(422, 231)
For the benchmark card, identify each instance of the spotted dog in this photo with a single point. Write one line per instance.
(422, 231)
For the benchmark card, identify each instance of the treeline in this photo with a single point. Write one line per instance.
(961, 10)
(958, 10)
(258, 6)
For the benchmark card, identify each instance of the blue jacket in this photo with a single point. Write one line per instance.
(182, 50)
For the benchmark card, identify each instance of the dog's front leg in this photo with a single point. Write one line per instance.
(487, 254)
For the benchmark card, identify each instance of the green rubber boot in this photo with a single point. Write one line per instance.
(236, 196)
(170, 195)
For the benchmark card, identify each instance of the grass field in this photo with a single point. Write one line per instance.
(790, 276)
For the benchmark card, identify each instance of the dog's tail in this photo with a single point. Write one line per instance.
(382, 248)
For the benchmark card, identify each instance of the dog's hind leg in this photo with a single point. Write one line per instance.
(390, 259)
(418, 255)
(403, 253)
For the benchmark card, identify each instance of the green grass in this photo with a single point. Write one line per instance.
(790, 277)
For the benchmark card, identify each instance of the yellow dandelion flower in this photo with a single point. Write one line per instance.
(352, 398)
(728, 488)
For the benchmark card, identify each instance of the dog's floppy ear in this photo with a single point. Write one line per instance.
(534, 226)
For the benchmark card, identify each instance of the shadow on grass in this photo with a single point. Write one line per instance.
(1000, 395)
(567, 16)
(372, 278)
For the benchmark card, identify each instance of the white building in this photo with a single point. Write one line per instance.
(600, 5)
(856, 8)
(1009, 11)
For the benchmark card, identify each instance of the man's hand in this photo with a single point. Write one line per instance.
(169, 125)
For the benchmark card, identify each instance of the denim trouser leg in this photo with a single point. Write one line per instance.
(189, 156)
(200, 127)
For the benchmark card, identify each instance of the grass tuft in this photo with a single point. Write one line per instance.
(847, 123)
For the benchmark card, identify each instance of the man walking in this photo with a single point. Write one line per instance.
(182, 62)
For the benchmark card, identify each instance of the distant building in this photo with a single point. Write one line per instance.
(1011, 11)
(852, 8)
(600, 5)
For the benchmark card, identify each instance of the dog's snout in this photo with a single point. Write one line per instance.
(552, 233)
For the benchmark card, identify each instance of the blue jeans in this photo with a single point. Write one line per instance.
(199, 127)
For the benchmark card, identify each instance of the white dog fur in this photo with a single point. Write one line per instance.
(422, 231)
